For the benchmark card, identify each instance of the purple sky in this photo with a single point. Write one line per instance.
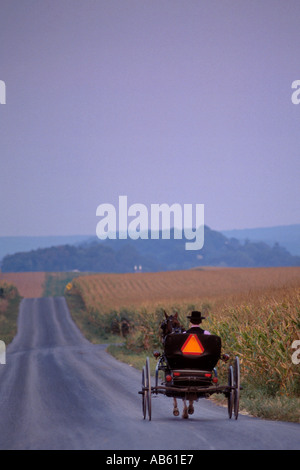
(165, 101)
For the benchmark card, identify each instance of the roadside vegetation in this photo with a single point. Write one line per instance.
(9, 309)
(55, 283)
(120, 256)
(28, 284)
(255, 311)
(257, 317)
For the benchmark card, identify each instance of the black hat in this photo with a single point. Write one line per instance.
(196, 317)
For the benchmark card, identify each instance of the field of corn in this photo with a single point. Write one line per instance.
(28, 284)
(255, 311)
(104, 292)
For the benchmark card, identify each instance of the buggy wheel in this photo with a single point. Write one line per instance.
(144, 394)
(148, 386)
(237, 386)
(230, 396)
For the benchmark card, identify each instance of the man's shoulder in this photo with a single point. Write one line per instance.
(195, 329)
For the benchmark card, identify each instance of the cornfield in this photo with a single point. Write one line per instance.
(255, 311)
(29, 284)
(105, 292)
(261, 334)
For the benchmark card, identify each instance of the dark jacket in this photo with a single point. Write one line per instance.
(195, 330)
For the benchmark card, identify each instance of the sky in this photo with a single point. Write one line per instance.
(162, 101)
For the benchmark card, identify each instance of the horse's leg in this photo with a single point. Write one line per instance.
(175, 409)
(191, 407)
(185, 409)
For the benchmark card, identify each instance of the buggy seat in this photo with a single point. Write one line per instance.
(192, 351)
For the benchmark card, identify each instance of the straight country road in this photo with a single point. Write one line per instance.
(58, 391)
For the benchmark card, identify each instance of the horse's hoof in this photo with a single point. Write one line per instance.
(185, 415)
(190, 410)
(176, 412)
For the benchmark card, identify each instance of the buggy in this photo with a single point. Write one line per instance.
(188, 365)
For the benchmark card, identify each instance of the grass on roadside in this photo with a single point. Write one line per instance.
(9, 309)
(55, 283)
(93, 332)
(55, 286)
(259, 329)
(137, 361)
(253, 401)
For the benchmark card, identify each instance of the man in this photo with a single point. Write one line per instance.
(195, 320)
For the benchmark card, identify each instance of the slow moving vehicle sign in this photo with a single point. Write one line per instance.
(192, 346)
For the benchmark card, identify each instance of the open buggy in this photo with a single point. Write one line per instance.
(188, 365)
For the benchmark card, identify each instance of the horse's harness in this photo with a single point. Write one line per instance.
(165, 326)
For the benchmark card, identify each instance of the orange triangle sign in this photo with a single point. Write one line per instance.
(192, 346)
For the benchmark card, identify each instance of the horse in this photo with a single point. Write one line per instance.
(171, 325)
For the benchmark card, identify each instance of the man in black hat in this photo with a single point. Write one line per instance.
(195, 320)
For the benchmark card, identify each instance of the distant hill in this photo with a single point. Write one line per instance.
(287, 236)
(152, 255)
(12, 245)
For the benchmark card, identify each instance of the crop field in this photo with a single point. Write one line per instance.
(104, 292)
(255, 311)
(28, 284)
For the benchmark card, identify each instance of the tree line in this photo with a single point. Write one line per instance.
(151, 255)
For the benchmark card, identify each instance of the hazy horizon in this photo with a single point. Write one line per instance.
(163, 101)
